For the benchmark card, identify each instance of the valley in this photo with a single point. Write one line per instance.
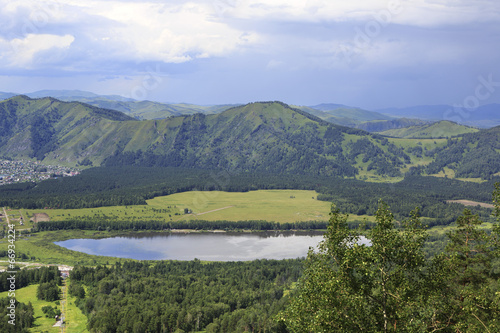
(243, 170)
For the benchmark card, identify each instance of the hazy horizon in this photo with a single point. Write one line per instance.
(368, 54)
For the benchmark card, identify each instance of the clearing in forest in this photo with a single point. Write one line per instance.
(268, 205)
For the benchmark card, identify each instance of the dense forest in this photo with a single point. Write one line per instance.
(185, 296)
(97, 187)
(26, 277)
(24, 317)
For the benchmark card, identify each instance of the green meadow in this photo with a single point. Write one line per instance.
(269, 205)
(41, 246)
(75, 321)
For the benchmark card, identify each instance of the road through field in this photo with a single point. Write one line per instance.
(6, 216)
(213, 210)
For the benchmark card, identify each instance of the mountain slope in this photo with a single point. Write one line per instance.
(471, 155)
(384, 125)
(441, 129)
(269, 136)
(258, 137)
(134, 108)
(36, 127)
(343, 115)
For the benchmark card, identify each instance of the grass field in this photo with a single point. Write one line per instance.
(41, 246)
(76, 321)
(269, 205)
(28, 294)
(143, 212)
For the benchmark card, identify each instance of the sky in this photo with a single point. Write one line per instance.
(367, 53)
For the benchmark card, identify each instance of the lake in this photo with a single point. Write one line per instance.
(204, 246)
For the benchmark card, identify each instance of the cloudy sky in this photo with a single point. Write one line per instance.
(367, 53)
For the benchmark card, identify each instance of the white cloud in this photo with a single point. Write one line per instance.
(23, 53)
(132, 31)
(179, 31)
(407, 12)
(215, 43)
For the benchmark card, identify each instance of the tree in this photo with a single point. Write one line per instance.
(48, 291)
(349, 286)
(473, 290)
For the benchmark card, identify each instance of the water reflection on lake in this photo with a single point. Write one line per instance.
(204, 246)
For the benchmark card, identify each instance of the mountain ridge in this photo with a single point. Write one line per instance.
(440, 129)
(260, 136)
(485, 116)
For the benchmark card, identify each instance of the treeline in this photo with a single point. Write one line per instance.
(22, 319)
(185, 296)
(101, 224)
(25, 277)
(428, 193)
(119, 186)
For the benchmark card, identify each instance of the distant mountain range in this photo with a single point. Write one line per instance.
(373, 121)
(440, 129)
(485, 116)
(260, 137)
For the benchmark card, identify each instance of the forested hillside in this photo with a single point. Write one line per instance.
(268, 137)
(472, 155)
(35, 128)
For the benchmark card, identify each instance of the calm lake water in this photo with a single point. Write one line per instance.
(204, 246)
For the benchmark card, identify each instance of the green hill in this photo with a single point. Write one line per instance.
(380, 126)
(148, 109)
(35, 128)
(343, 115)
(441, 129)
(258, 137)
(134, 108)
(270, 137)
(471, 155)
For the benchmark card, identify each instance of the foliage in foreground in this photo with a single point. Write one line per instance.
(390, 287)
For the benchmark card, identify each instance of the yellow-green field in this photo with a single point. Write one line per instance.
(269, 205)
